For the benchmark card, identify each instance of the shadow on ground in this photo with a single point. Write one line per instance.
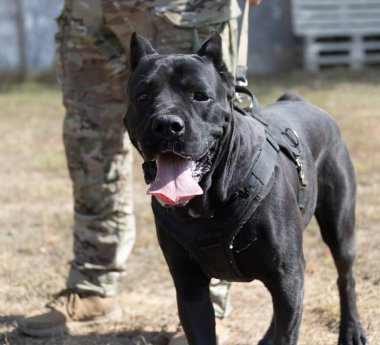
(128, 337)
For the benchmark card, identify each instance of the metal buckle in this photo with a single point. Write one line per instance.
(292, 135)
(244, 100)
(301, 168)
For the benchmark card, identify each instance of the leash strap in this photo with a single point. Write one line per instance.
(242, 97)
(241, 69)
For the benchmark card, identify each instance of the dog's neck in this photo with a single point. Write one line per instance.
(231, 167)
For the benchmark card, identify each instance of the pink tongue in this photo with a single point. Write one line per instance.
(174, 183)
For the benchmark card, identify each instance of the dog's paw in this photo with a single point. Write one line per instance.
(352, 334)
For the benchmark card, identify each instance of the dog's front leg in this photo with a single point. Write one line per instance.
(287, 295)
(193, 296)
(196, 313)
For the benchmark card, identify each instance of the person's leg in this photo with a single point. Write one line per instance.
(92, 67)
(169, 38)
(98, 152)
(220, 297)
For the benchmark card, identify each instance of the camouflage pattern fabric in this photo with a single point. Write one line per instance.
(92, 63)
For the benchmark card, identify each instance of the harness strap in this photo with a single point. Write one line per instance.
(290, 144)
(216, 249)
(287, 140)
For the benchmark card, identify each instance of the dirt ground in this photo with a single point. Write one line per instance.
(36, 220)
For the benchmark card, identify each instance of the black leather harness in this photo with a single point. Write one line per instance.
(211, 241)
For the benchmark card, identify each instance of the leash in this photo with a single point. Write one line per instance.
(243, 97)
(242, 57)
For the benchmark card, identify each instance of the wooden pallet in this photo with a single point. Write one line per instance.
(338, 32)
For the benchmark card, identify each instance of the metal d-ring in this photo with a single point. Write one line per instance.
(292, 136)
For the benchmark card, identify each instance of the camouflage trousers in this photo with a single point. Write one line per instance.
(92, 46)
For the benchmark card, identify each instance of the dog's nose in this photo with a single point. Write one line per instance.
(168, 125)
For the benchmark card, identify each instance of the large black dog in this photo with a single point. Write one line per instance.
(234, 189)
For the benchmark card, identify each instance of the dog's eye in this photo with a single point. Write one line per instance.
(200, 97)
(142, 97)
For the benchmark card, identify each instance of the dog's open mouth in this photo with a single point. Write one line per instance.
(176, 180)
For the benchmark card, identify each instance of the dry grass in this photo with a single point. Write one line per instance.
(35, 225)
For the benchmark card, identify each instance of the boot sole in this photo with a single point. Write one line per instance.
(68, 327)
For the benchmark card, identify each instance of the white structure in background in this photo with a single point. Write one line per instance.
(39, 28)
(344, 32)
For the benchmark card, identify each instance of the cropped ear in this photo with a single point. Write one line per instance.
(212, 49)
(140, 47)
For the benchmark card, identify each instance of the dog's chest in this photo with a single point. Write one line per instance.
(211, 241)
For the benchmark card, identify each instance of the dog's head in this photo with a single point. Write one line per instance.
(178, 111)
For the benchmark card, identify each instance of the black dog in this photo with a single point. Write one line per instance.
(234, 189)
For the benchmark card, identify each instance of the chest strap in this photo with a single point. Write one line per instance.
(216, 249)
